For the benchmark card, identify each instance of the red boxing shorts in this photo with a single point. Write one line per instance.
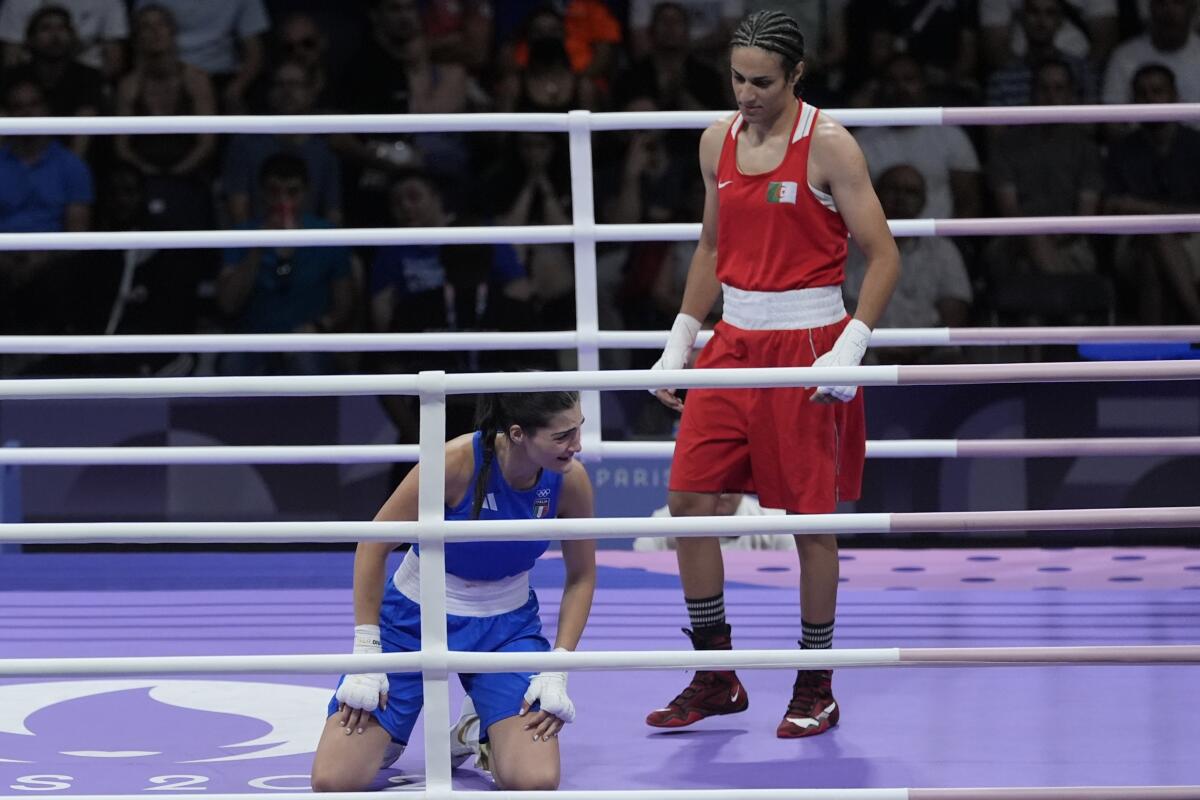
(795, 454)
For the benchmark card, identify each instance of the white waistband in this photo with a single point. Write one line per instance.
(769, 311)
(465, 598)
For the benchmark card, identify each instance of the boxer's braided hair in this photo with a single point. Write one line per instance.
(774, 32)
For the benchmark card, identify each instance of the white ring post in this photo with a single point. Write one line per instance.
(431, 515)
(587, 305)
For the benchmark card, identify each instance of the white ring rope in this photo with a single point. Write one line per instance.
(390, 453)
(601, 121)
(456, 342)
(562, 340)
(551, 234)
(1070, 519)
(471, 383)
(462, 661)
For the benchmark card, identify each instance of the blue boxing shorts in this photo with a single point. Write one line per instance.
(496, 695)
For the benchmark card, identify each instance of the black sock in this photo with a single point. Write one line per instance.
(817, 636)
(706, 612)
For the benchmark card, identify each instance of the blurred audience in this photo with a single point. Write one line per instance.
(69, 87)
(44, 187)
(1088, 29)
(710, 21)
(143, 291)
(941, 36)
(291, 90)
(101, 28)
(943, 154)
(1011, 84)
(175, 165)
(430, 288)
(284, 289)
(934, 290)
(1046, 171)
(394, 74)
(185, 57)
(1155, 169)
(300, 40)
(223, 39)
(671, 73)
(1169, 40)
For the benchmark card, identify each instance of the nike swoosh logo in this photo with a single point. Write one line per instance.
(723, 184)
(733, 696)
(809, 722)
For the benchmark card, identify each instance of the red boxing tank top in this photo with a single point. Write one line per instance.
(773, 233)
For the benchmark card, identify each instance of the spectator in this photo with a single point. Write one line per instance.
(284, 289)
(70, 88)
(589, 33)
(653, 184)
(535, 189)
(670, 73)
(102, 26)
(942, 36)
(711, 22)
(393, 74)
(1170, 41)
(1090, 32)
(460, 32)
(934, 289)
(175, 165)
(298, 38)
(417, 288)
(543, 77)
(222, 38)
(1156, 170)
(1012, 84)
(1045, 171)
(151, 292)
(44, 187)
(291, 91)
(943, 154)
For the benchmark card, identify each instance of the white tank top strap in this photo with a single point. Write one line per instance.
(794, 309)
(465, 598)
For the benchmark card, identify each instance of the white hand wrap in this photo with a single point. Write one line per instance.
(680, 341)
(847, 351)
(362, 691)
(549, 690)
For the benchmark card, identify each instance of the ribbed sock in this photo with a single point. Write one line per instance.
(817, 636)
(706, 612)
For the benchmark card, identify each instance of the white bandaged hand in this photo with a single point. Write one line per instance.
(680, 342)
(364, 690)
(847, 351)
(549, 690)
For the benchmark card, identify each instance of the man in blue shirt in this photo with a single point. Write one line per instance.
(284, 289)
(44, 187)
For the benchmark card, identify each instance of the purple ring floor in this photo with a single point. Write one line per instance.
(901, 727)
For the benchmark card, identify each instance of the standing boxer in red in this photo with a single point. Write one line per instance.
(784, 186)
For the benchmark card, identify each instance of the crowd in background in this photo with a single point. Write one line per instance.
(185, 57)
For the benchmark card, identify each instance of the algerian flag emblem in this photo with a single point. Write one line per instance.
(781, 192)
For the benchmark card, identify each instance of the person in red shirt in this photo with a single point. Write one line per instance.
(784, 186)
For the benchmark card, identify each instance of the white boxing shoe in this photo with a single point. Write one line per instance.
(464, 736)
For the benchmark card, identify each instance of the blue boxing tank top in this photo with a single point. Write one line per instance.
(493, 560)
